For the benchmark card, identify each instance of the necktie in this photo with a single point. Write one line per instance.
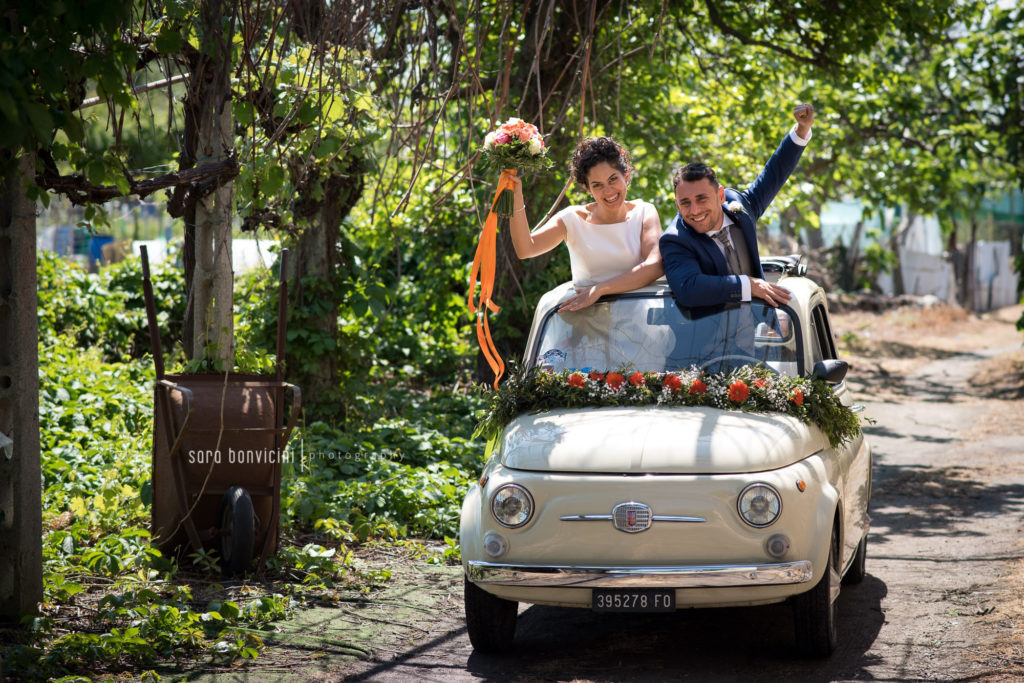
(730, 254)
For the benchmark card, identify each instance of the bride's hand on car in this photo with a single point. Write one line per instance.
(584, 297)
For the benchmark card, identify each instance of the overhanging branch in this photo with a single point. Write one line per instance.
(80, 191)
(716, 18)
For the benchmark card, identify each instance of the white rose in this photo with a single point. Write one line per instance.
(536, 147)
(513, 120)
(735, 207)
(489, 139)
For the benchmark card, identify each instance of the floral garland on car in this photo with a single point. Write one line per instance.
(750, 389)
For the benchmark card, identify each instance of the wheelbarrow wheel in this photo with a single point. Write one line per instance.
(238, 531)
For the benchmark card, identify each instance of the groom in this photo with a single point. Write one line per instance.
(710, 251)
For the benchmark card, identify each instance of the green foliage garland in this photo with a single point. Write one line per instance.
(750, 389)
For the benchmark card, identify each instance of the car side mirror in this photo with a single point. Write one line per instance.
(832, 370)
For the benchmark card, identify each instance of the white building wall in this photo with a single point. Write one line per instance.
(995, 282)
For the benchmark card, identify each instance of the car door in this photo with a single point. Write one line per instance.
(853, 459)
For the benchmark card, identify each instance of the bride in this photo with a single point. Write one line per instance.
(612, 241)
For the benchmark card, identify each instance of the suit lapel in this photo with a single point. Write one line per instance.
(744, 223)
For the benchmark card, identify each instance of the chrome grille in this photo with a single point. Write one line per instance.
(631, 517)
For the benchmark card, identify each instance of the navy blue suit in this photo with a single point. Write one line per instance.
(695, 266)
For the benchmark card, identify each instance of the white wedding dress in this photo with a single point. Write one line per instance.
(600, 251)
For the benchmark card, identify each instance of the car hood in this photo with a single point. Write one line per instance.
(652, 439)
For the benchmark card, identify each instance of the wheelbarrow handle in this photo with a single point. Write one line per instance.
(296, 405)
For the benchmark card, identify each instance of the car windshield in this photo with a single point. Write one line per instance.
(652, 334)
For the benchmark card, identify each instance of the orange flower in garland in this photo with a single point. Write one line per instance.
(614, 380)
(576, 380)
(738, 391)
(698, 387)
(673, 383)
(760, 382)
(596, 376)
(636, 379)
(797, 397)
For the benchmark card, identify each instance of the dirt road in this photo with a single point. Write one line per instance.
(942, 601)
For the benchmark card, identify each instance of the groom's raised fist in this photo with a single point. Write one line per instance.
(804, 115)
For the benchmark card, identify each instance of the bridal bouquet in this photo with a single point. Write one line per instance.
(515, 146)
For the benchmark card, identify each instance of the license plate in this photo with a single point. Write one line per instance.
(633, 600)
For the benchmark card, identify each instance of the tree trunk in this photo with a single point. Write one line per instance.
(853, 256)
(970, 259)
(895, 244)
(213, 278)
(319, 257)
(21, 550)
(956, 258)
(812, 236)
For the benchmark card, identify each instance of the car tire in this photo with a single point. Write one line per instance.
(814, 612)
(490, 620)
(858, 570)
(238, 531)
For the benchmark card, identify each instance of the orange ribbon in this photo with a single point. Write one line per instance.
(484, 266)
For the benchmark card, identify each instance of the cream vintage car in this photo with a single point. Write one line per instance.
(658, 507)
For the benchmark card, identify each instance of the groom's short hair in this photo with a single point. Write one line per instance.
(694, 172)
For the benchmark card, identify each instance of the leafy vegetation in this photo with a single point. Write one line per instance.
(401, 472)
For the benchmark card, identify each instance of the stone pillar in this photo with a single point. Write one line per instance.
(21, 556)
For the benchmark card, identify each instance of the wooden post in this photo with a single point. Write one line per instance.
(21, 548)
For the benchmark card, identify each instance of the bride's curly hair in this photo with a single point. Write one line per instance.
(592, 151)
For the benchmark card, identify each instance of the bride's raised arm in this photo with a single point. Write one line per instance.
(529, 244)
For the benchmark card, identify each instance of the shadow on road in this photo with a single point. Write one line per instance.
(935, 501)
(741, 644)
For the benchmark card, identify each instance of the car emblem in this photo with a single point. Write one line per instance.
(631, 517)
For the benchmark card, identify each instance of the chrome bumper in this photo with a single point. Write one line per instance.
(715, 576)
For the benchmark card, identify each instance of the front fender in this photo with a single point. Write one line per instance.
(470, 531)
(825, 510)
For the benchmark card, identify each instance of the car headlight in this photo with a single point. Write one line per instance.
(512, 505)
(759, 505)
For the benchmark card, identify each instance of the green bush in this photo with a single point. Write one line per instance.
(107, 309)
(398, 464)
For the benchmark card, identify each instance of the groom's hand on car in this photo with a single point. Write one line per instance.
(773, 294)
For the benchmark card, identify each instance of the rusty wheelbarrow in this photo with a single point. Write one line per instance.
(218, 446)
